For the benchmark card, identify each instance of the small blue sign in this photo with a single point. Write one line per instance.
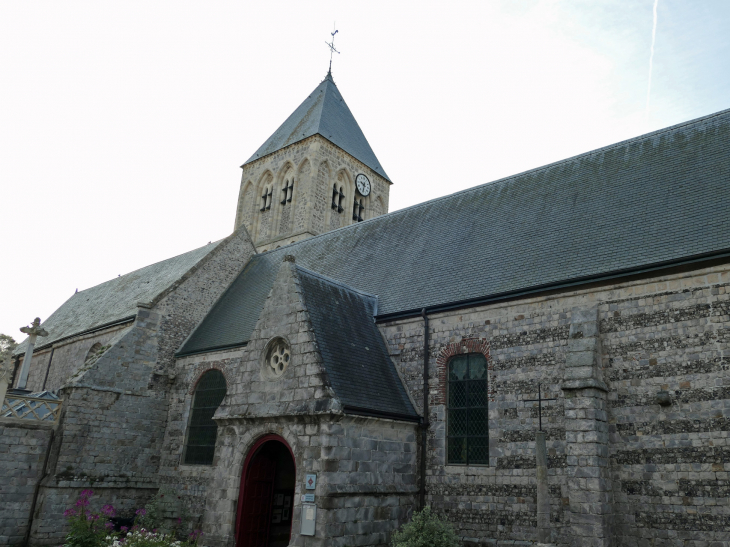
(310, 482)
(308, 498)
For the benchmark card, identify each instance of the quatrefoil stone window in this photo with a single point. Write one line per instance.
(278, 357)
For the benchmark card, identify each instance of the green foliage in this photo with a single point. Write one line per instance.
(151, 516)
(91, 529)
(426, 529)
(143, 538)
(88, 528)
(7, 346)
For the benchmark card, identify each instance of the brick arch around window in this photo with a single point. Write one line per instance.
(201, 369)
(466, 345)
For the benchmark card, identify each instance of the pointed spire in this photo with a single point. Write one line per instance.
(323, 112)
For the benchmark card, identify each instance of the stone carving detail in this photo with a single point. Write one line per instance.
(278, 357)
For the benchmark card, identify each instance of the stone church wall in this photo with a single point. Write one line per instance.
(317, 163)
(115, 409)
(366, 467)
(23, 449)
(366, 476)
(68, 358)
(671, 461)
(661, 471)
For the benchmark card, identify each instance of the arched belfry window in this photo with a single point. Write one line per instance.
(358, 210)
(337, 197)
(288, 191)
(467, 412)
(202, 431)
(266, 198)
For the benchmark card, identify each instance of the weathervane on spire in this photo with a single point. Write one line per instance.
(331, 45)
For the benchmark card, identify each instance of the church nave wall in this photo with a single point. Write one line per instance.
(659, 471)
(670, 458)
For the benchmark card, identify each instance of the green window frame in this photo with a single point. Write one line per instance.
(202, 429)
(467, 410)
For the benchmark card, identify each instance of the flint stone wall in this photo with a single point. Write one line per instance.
(667, 464)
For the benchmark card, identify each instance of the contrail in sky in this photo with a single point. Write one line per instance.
(651, 60)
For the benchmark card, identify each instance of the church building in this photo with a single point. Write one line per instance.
(329, 368)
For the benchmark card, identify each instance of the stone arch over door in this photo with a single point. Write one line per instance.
(266, 494)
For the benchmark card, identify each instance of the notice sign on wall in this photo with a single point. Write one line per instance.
(309, 516)
(310, 482)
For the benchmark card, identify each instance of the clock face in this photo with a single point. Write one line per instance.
(363, 184)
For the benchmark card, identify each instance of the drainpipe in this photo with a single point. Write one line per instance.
(424, 420)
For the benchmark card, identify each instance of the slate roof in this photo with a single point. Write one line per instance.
(659, 198)
(355, 357)
(323, 112)
(115, 299)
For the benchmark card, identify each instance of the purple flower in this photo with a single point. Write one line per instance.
(108, 510)
(69, 513)
(179, 520)
(195, 534)
(82, 502)
(87, 493)
(124, 528)
(109, 525)
(141, 512)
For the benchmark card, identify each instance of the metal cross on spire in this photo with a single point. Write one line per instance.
(331, 45)
(539, 401)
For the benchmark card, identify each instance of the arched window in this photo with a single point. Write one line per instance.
(266, 198)
(358, 210)
(337, 198)
(288, 189)
(467, 416)
(202, 430)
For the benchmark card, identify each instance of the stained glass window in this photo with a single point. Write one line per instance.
(467, 417)
(202, 431)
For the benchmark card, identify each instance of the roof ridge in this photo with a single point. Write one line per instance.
(212, 244)
(510, 178)
(333, 281)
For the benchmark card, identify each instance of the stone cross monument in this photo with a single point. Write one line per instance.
(33, 332)
(543, 492)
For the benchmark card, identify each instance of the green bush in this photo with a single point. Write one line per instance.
(426, 529)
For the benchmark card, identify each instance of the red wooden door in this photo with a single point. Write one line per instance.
(256, 510)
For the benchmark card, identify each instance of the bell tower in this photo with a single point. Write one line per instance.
(316, 173)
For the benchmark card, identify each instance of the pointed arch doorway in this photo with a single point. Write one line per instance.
(266, 497)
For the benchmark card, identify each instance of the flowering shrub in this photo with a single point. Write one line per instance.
(90, 529)
(142, 538)
(426, 529)
(87, 528)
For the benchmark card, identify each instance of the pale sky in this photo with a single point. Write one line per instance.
(123, 125)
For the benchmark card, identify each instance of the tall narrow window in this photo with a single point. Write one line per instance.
(337, 198)
(202, 431)
(288, 190)
(468, 426)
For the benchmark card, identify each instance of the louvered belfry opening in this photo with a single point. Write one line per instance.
(202, 431)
